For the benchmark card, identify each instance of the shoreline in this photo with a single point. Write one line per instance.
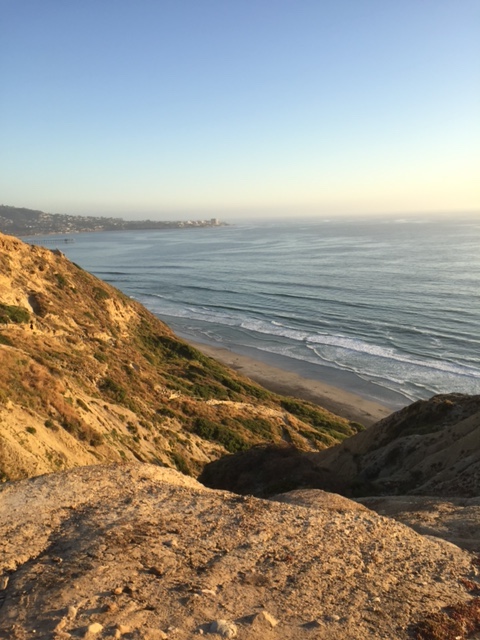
(339, 401)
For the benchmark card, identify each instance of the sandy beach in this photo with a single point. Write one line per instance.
(339, 401)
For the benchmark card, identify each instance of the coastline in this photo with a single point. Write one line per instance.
(344, 403)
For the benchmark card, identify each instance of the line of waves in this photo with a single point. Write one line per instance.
(331, 318)
(398, 308)
(383, 365)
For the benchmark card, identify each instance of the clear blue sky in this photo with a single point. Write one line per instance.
(181, 108)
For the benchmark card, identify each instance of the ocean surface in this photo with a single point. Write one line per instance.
(386, 309)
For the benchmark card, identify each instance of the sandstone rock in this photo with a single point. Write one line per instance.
(264, 619)
(95, 628)
(61, 625)
(224, 628)
(72, 612)
(296, 563)
(154, 634)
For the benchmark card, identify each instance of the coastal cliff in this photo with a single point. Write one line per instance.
(90, 376)
(119, 548)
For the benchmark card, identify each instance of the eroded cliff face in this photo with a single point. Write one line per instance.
(89, 376)
(430, 448)
(137, 551)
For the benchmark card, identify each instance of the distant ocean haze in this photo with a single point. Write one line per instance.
(387, 309)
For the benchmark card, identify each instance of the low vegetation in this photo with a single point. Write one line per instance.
(12, 313)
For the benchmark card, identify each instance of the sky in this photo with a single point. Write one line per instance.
(172, 109)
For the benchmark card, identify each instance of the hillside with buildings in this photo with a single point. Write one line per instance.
(19, 221)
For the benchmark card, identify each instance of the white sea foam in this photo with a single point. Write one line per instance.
(360, 346)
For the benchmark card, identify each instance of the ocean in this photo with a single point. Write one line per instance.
(389, 309)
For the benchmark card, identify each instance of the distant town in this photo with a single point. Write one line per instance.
(18, 221)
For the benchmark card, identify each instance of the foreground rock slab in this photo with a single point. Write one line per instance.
(139, 551)
(454, 519)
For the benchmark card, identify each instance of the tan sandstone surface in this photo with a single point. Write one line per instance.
(140, 551)
(454, 519)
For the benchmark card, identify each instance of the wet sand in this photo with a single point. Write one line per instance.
(343, 403)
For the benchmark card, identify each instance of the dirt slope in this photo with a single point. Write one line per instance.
(142, 552)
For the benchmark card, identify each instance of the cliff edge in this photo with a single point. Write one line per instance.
(137, 551)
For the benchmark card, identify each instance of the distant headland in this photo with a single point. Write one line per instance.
(19, 221)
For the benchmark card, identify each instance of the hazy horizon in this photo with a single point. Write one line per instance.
(233, 218)
(238, 111)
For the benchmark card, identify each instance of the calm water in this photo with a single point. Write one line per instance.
(390, 310)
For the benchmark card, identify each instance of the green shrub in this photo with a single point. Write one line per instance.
(61, 280)
(181, 464)
(132, 428)
(113, 389)
(165, 411)
(31, 430)
(216, 432)
(231, 384)
(207, 391)
(256, 392)
(81, 430)
(310, 414)
(70, 424)
(94, 438)
(100, 294)
(179, 349)
(11, 313)
(5, 340)
(356, 426)
(165, 346)
(257, 425)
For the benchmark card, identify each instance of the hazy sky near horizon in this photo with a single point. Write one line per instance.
(229, 108)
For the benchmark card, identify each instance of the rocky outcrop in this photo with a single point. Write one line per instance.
(137, 551)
